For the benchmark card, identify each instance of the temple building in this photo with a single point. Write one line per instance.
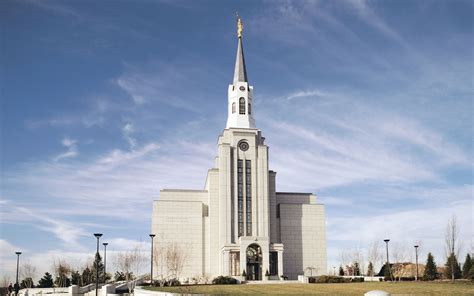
(238, 224)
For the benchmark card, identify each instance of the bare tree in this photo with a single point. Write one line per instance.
(130, 262)
(6, 280)
(159, 263)
(451, 239)
(375, 255)
(61, 270)
(175, 257)
(28, 273)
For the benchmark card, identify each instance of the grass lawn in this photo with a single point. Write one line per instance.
(401, 288)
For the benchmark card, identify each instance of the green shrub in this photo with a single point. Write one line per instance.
(331, 279)
(357, 280)
(224, 280)
(172, 283)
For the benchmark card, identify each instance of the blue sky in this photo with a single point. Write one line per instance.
(368, 104)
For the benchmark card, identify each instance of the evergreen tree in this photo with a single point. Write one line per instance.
(76, 278)
(119, 276)
(98, 266)
(62, 281)
(430, 269)
(471, 273)
(341, 271)
(467, 266)
(451, 263)
(370, 269)
(86, 276)
(356, 268)
(46, 281)
(27, 283)
(387, 272)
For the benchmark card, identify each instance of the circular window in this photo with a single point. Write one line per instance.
(244, 146)
(242, 88)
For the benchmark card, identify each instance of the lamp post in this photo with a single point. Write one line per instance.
(388, 263)
(17, 286)
(416, 259)
(105, 261)
(151, 268)
(97, 235)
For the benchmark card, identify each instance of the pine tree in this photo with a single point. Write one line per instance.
(430, 269)
(451, 263)
(99, 266)
(86, 276)
(356, 268)
(27, 283)
(370, 269)
(76, 278)
(341, 271)
(119, 276)
(46, 281)
(467, 266)
(387, 272)
(471, 273)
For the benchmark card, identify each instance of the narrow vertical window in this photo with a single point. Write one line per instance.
(233, 107)
(273, 263)
(241, 106)
(248, 196)
(240, 197)
(250, 108)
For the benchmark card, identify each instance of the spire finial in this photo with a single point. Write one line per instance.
(240, 26)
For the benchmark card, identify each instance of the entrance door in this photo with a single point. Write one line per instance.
(254, 263)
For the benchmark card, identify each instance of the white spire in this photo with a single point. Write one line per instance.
(240, 111)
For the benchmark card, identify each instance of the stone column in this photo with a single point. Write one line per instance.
(226, 263)
(280, 264)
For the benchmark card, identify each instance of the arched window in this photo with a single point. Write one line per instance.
(250, 108)
(241, 106)
(233, 107)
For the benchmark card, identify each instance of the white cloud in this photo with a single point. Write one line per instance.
(72, 150)
(127, 132)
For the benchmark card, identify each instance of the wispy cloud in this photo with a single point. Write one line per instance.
(72, 150)
(127, 132)
(68, 233)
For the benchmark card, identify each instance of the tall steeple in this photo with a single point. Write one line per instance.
(240, 73)
(240, 93)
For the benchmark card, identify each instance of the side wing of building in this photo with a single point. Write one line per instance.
(300, 226)
(179, 222)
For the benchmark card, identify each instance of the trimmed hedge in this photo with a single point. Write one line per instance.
(224, 280)
(332, 279)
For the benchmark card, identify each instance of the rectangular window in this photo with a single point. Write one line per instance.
(273, 263)
(240, 197)
(248, 195)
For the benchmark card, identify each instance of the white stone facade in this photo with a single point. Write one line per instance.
(239, 222)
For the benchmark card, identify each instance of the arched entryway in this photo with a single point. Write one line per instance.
(254, 263)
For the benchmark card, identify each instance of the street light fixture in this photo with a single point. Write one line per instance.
(416, 258)
(105, 261)
(17, 286)
(151, 268)
(97, 235)
(388, 263)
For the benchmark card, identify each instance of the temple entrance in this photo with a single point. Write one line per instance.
(254, 263)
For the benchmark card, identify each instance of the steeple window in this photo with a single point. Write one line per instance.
(250, 108)
(241, 106)
(233, 107)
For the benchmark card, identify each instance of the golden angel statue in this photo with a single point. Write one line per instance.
(240, 27)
